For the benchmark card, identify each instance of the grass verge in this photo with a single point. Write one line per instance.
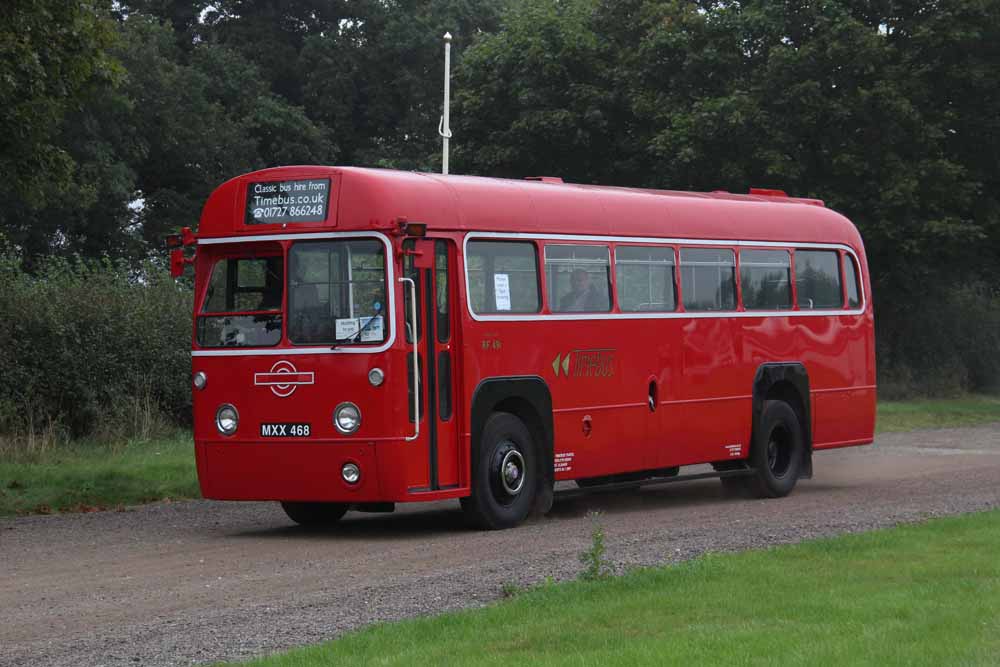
(937, 413)
(925, 594)
(89, 476)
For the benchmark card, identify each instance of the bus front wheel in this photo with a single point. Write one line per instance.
(504, 482)
(778, 451)
(314, 514)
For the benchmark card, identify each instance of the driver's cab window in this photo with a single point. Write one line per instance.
(242, 306)
(336, 292)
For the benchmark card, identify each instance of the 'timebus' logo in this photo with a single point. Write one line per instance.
(283, 379)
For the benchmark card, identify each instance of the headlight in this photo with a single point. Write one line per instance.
(227, 419)
(376, 376)
(347, 418)
(199, 380)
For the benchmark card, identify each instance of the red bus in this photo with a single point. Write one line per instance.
(365, 337)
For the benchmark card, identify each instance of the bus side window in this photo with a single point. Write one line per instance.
(708, 279)
(578, 278)
(851, 278)
(503, 277)
(817, 279)
(645, 278)
(765, 279)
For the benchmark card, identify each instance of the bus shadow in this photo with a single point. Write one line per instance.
(419, 521)
(440, 519)
(679, 496)
(624, 501)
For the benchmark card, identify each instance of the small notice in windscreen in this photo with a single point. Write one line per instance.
(371, 331)
(501, 290)
(346, 327)
(273, 202)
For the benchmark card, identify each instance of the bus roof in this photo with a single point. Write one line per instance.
(361, 199)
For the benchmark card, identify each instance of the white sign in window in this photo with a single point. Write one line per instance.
(501, 290)
(347, 327)
(371, 332)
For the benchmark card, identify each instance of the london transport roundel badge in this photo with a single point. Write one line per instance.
(283, 378)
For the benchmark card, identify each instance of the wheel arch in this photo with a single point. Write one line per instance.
(788, 382)
(528, 398)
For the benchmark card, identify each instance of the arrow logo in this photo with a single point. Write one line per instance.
(562, 362)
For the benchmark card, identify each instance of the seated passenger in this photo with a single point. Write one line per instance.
(582, 296)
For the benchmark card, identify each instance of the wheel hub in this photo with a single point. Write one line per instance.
(512, 472)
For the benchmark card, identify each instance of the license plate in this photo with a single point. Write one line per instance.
(284, 430)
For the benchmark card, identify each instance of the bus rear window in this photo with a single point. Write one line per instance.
(242, 305)
(851, 278)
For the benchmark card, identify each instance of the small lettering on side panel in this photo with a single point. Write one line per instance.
(564, 461)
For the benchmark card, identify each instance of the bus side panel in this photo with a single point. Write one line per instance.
(590, 381)
(655, 354)
(844, 400)
(714, 399)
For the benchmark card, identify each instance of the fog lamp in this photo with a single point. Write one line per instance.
(351, 473)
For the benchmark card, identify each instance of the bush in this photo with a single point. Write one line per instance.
(946, 345)
(92, 348)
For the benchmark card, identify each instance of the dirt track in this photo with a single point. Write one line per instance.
(177, 583)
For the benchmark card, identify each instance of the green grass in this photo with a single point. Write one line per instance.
(86, 475)
(925, 594)
(937, 413)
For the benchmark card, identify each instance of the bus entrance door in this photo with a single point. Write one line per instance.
(437, 353)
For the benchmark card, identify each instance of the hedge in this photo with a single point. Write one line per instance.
(87, 343)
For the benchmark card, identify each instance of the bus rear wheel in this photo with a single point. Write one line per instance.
(314, 514)
(504, 480)
(777, 452)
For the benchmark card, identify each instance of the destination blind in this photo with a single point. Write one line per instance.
(277, 202)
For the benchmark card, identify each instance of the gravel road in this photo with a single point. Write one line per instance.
(190, 582)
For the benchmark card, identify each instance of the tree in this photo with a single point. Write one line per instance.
(202, 123)
(50, 53)
(536, 97)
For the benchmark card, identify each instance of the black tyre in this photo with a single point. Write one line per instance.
(314, 514)
(777, 452)
(504, 474)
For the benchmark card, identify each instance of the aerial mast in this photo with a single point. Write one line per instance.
(444, 127)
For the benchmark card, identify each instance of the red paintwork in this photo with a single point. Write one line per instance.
(703, 367)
